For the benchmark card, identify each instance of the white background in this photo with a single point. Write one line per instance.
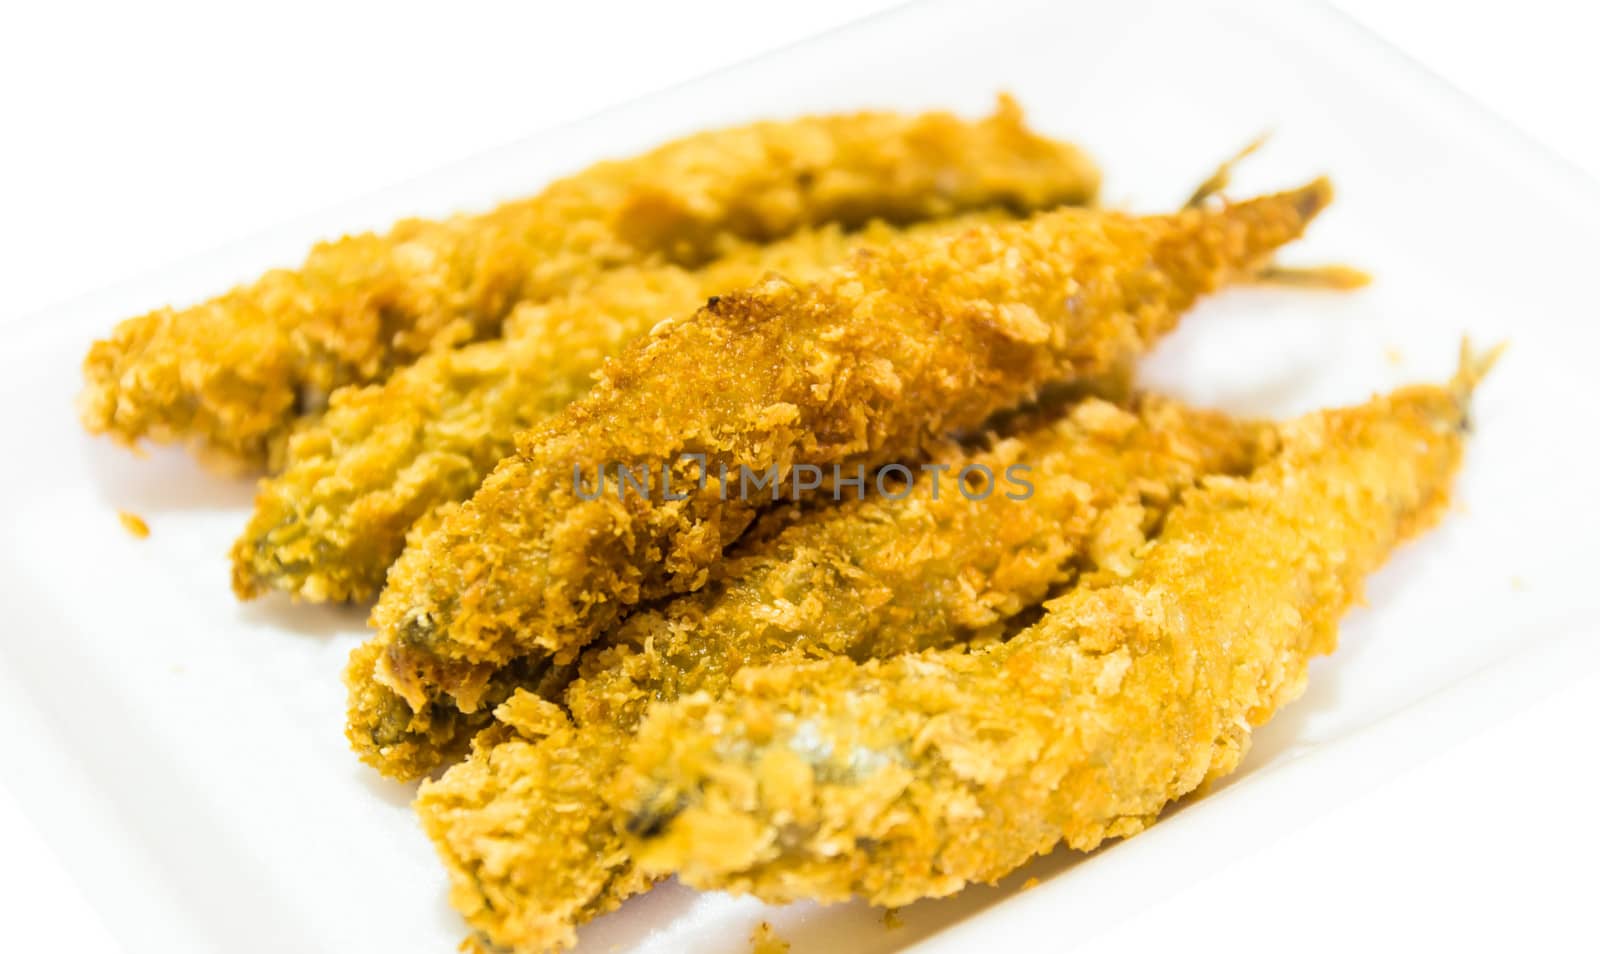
(135, 135)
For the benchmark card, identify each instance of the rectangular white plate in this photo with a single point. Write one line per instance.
(185, 752)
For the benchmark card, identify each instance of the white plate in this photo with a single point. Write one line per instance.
(185, 753)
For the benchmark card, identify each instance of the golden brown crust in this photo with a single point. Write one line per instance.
(957, 766)
(920, 338)
(387, 455)
(532, 847)
(407, 743)
(232, 374)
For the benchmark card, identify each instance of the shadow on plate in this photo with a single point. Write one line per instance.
(161, 480)
(389, 791)
(315, 620)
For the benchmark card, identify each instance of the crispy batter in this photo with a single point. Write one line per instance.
(920, 338)
(532, 847)
(385, 456)
(912, 777)
(405, 744)
(231, 375)
(1329, 277)
(408, 744)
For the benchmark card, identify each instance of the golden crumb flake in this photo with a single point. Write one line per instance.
(765, 940)
(134, 524)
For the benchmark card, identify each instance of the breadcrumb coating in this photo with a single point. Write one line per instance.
(911, 777)
(231, 375)
(385, 456)
(407, 743)
(919, 338)
(532, 847)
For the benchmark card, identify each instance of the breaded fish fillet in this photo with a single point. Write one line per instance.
(403, 743)
(232, 374)
(912, 777)
(387, 455)
(920, 338)
(532, 847)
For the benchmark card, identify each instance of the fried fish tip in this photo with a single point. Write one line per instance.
(386, 456)
(918, 338)
(1330, 277)
(1474, 365)
(532, 847)
(1129, 693)
(231, 375)
(1218, 181)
